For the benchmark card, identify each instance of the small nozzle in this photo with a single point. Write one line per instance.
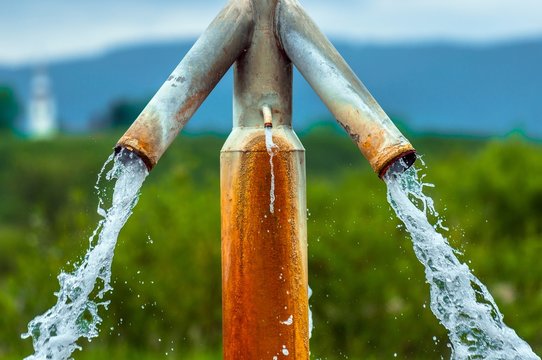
(267, 116)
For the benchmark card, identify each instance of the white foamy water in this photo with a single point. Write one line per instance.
(75, 315)
(311, 323)
(462, 304)
(271, 148)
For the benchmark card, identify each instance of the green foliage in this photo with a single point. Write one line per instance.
(123, 112)
(9, 107)
(370, 298)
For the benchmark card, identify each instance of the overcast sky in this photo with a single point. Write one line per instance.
(36, 30)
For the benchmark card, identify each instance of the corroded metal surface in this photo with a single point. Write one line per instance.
(190, 83)
(339, 88)
(264, 254)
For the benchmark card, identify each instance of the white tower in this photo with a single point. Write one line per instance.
(41, 109)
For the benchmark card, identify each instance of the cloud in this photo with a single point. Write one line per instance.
(34, 30)
(419, 20)
(39, 30)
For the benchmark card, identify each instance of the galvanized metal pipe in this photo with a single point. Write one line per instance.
(190, 83)
(264, 253)
(340, 89)
(262, 74)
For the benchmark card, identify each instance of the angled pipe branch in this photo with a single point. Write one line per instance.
(340, 89)
(190, 83)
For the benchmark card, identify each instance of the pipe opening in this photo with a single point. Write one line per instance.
(398, 165)
(131, 150)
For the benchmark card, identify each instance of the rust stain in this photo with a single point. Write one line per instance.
(349, 131)
(144, 138)
(376, 141)
(263, 255)
(190, 106)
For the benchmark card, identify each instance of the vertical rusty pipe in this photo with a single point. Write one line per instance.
(190, 83)
(264, 252)
(340, 89)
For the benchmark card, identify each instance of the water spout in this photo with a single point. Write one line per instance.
(56, 332)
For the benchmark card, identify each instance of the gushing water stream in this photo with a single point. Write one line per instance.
(271, 147)
(459, 300)
(56, 332)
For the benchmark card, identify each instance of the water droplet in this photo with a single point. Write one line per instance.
(288, 321)
(285, 351)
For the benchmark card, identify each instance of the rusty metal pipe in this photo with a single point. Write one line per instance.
(264, 252)
(340, 89)
(190, 83)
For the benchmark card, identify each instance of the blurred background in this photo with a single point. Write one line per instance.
(462, 79)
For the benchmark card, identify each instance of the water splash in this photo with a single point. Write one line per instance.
(311, 321)
(271, 149)
(75, 315)
(462, 304)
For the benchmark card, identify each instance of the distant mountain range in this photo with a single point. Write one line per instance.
(442, 88)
